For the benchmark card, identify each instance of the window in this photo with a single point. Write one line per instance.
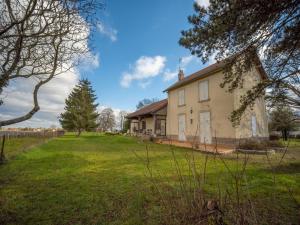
(143, 125)
(181, 100)
(203, 90)
(253, 125)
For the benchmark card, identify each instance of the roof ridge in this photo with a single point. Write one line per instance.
(148, 108)
(198, 74)
(212, 69)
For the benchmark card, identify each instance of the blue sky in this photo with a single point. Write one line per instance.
(135, 29)
(134, 55)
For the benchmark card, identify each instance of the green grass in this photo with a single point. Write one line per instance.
(14, 146)
(293, 143)
(97, 179)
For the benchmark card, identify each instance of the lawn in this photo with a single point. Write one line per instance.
(14, 146)
(98, 179)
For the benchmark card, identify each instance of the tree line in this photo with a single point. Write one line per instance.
(81, 114)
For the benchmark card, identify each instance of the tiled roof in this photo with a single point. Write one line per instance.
(199, 74)
(149, 109)
(207, 71)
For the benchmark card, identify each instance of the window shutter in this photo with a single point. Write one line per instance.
(181, 97)
(253, 125)
(203, 90)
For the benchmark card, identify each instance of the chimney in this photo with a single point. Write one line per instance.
(180, 75)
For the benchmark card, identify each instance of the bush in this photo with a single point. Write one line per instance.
(252, 145)
(274, 137)
(274, 144)
(110, 133)
(260, 145)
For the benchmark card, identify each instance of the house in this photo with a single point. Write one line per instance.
(198, 109)
(149, 120)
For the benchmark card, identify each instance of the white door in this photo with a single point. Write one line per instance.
(205, 132)
(181, 128)
(163, 127)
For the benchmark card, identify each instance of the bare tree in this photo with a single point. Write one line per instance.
(107, 120)
(122, 118)
(40, 39)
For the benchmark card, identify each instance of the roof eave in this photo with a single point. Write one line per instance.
(192, 80)
(149, 113)
(259, 67)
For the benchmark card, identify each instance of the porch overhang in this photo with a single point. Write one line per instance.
(149, 110)
(156, 112)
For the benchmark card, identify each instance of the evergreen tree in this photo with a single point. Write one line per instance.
(282, 119)
(238, 31)
(126, 126)
(80, 110)
(145, 102)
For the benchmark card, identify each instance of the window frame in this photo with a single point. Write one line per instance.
(179, 91)
(144, 125)
(199, 90)
(253, 125)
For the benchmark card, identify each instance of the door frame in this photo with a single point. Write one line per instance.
(210, 126)
(181, 114)
(165, 130)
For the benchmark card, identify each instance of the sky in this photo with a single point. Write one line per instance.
(134, 55)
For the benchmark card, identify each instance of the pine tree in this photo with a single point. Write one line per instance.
(238, 31)
(80, 110)
(282, 119)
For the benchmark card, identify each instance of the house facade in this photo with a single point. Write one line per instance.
(149, 120)
(198, 109)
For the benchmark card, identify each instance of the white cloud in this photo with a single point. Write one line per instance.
(212, 59)
(108, 31)
(144, 84)
(18, 99)
(187, 60)
(169, 75)
(203, 3)
(184, 62)
(144, 68)
(92, 60)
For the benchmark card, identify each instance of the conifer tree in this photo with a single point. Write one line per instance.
(237, 31)
(282, 119)
(80, 110)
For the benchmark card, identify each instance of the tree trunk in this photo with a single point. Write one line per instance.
(79, 132)
(2, 157)
(285, 134)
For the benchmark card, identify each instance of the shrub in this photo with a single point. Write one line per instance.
(253, 145)
(151, 139)
(110, 133)
(185, 199)
(260, 145)
(274, 137)
(274, 144)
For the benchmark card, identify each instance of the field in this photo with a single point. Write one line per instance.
(98, 179)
